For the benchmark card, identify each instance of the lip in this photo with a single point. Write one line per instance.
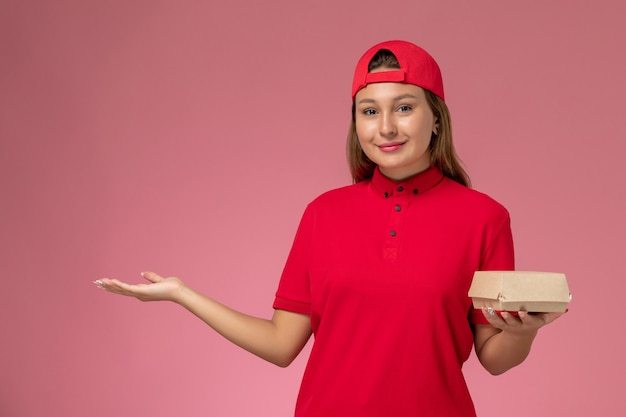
(391, 146)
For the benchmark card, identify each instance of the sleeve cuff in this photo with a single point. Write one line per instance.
(476, 316)
(294, 306)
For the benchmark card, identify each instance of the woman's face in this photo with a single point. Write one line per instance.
(394, 124)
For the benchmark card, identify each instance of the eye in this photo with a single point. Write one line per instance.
(369, 112)
(404, 108)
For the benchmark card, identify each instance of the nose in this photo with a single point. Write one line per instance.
(387, 126)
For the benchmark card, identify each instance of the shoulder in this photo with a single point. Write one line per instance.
(334, 206)
(470, 200)
(349, 194)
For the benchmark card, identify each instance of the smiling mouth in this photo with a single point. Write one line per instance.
(390, 147)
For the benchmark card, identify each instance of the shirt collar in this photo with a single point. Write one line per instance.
(417, 184)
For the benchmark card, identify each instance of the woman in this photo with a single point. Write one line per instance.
(379, 271)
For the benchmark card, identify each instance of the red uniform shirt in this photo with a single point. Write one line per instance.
(383, 269)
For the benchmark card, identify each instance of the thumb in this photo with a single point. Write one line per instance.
(152, 276)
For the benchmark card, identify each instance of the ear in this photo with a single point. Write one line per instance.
(436, 126)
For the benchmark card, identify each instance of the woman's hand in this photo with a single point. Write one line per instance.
(507, 342)
(520, 323)
(159, 288)
(278, 340)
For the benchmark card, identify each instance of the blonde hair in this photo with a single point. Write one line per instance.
(442, 152)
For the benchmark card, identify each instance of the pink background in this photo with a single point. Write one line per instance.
(187, 138)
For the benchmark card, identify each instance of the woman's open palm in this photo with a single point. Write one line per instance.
(159, 288)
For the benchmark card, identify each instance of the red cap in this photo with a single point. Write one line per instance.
(417, 67)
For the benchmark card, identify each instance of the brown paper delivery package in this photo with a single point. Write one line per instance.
(540, 292)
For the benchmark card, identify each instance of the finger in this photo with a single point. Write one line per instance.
(493, 318)
(105, 284)
(133, 290)
(111, 285)
(511, 319)
(534, 320)
(524, 316)
(118, 287)
(152, 276)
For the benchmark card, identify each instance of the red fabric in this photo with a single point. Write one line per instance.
(389, 311)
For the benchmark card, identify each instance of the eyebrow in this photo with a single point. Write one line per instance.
(398, 98)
